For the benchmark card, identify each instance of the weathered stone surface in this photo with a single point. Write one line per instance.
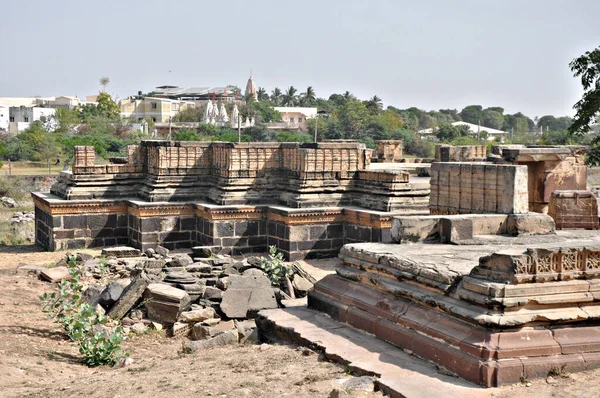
(253, 272)
(131, 294)
(92, 294)
(212, 293)
(203, 332)
(8, 202)
(301, 285)
(574, 209)
(206, 251)
(55, 274)
(165, 303)
(180, 260)
(162, 251)
(229, 337)
(120, 251)
(246, 295)
(110, 295)
(198, 315)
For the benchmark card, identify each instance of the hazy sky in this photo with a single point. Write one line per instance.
(428, 54)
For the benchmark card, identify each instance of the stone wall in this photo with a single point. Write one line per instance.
(298, 233)
(463, 188)
(463, 153)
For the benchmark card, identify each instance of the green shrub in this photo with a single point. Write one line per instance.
(68, 308)
(274, 267)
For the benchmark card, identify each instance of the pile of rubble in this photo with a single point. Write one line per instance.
(206, 296)
(8, 201)
(19, 217)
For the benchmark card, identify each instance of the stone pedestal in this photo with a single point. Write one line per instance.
(574, 210)
(389, 151)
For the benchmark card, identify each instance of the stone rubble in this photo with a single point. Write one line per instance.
(204, 295)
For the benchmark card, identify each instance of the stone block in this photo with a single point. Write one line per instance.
(120, 251)
(165, 303)
(530, 224)
(131, 294)
(56, 274)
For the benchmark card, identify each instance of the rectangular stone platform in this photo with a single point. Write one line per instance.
(474, 309)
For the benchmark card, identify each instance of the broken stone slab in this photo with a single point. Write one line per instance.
(203, 332)
(120, 251)
(253, 271)
(301, 285)
(211, 321)
(206, 251)
(82, 257)
(299, 302)
(131, 294)
(55, 274)
(229, 337)
(165, 303)
(180, 260)
(212, 293)
(247, 295)
(92, 294)
(362, 383)
(163, 251)
(198, 315)
(199, 267)
(30, 269)
(110, 295)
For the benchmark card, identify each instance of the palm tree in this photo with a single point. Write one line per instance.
(374, 105)
(308, 97)
(348, 96)
(290, 98)
(262, 95)
(276, 96)
(104, 82)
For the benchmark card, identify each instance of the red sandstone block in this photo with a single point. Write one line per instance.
(332, 285)
(541, 367)
(578, 339)
(527, 342)
(361, 319)
(508, 371)
(395, 334)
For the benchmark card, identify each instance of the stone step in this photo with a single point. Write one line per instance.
(399, 374)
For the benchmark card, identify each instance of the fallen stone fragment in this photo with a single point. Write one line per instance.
(138, 328)
(55, 274)
(229, 337)
(165, 303)
(120, 251)
(163, 251)
(92, 294)
(253, 272)
(300, 302)
(301, 285)
(8, 202)
(363, 383)
(181, 329)
(247, 295)
(198, 315)
(110, 295)
(206, 251)
(212, 293)
(211, 321)
(30, 269)
(180, 260)
(131, 294)
(203, 332)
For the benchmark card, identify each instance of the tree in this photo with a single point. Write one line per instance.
(190, 115)
(447, 132)
(66, 118)
(276, 96)
(104, 82)
(492, 118)
(308, 97)
(472, 114)
(289, 97)
(353, 117)
(374, 105)
(186, 135)
(587, 67)
(262, 95)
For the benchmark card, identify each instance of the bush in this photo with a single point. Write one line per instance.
(274, 267)
(186, 135)
(68, 308)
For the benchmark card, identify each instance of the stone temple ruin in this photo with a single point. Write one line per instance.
(488, 269)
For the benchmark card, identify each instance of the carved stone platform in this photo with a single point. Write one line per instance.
(491, 314)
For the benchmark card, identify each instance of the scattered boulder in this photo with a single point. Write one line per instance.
(165, 303)
(212, 293)
(55, 274)
(92, 294)
(8, 202)
(110, 295)
(138, 328)
(180, 260)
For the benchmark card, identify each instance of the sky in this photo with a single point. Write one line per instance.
(430, 54)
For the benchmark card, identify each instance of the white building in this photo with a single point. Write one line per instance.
(4, 118)
(475, 129)
(295, 116)
(21, 117)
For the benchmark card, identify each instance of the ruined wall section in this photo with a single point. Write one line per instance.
(465, 188)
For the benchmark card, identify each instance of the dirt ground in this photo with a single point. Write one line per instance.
(36, 360)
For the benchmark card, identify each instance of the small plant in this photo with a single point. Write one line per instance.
(274, 266)
(98, 344)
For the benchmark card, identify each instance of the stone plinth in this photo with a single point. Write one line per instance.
(490, 314)
(389, 151)
(461, 153)
(574, 209)
(463, 188)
